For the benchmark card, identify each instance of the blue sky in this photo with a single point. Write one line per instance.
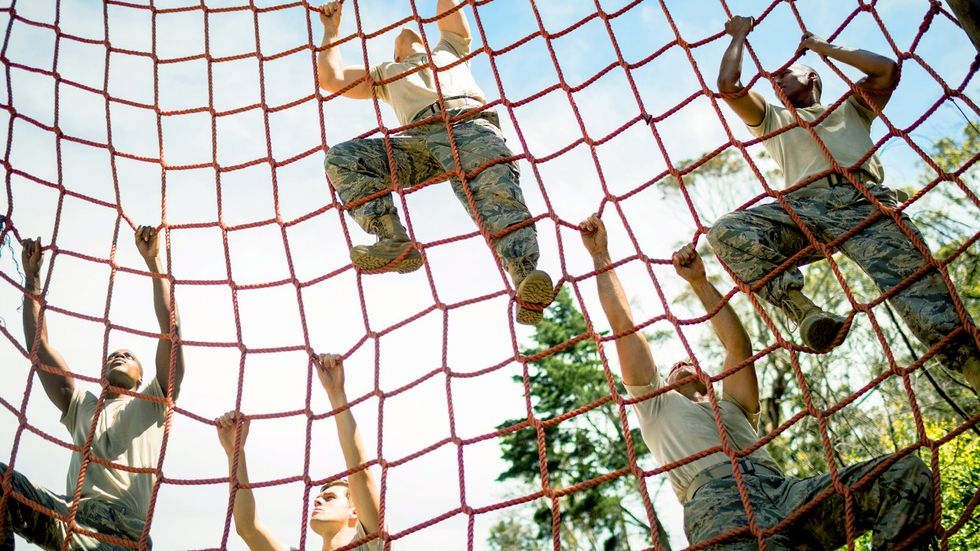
(479, 335)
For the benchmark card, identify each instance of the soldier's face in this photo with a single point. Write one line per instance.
(797, 82)
(693, 390)
(123, 369)
(332, 505)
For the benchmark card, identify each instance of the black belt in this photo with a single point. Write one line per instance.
(724, 470)
(434, 108)
(863, 176)
(838, 179)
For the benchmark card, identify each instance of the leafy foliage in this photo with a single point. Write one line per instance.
(959, 462)
(577, 450)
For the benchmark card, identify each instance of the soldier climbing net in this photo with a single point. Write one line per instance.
(16, 17)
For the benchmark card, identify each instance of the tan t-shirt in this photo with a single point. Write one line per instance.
(413, 92)
(846, 132)
(674, 427)
(129, 432)
(373, 545)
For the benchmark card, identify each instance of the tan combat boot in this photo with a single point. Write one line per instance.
(535, 292)
(393, 252)
(818, 329)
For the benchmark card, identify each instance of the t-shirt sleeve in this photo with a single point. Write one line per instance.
(752, 417)
(373, 545)
(865, 113)
(768, 124)
(156, 409)
(153, 389)
(379, 73)
(454, 44)
(70, 418)
(648, 409)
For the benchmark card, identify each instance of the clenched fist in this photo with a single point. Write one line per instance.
(688, 264)
(32, 257)
(330, 14)
(148, 242)
(739, 26)
(594, 237)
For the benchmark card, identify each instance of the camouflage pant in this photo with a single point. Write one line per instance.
(755, 241)
(894, 505)
(49, 533)
(360, 168)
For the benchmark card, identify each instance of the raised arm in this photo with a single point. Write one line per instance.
(58, 384)
(148, 243)
(363, 490)
(455, 22)
(881, 72)
(750, 107)
(247, 524)
(741, 385)
(635, 357)
(332, 74)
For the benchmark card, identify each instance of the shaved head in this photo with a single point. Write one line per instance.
(801, 84)
(817, 83)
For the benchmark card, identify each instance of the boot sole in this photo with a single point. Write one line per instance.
(819, 331)
(536, 288)
(373, 264)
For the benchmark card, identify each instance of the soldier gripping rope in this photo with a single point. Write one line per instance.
(895, 504)
(344, 510)
(129, 428)
(756, 241)
(359, 168)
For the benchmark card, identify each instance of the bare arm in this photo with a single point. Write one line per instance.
(742, 385)
(58, 385)
(750, 107)
(148, 243)
(635, 357)
(455, 22)
(332, 74)
(247, 524)
(363, 489)
(882, 72)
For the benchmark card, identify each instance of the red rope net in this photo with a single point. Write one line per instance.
(373, 333)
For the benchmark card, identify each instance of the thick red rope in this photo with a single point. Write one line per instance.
(373, 334)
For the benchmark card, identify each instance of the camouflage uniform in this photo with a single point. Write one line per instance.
(359, 168)
(49, 533)
(894, 505)
(756, 241)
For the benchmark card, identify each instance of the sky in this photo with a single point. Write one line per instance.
(279, 222)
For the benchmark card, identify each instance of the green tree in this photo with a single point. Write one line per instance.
(951, 217)
(577, 449)
(959, 462)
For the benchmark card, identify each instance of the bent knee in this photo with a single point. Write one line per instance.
(341, 159)
(340, 155)
(342, 149)
(725, 228)
(913, 471)
(914, 465)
